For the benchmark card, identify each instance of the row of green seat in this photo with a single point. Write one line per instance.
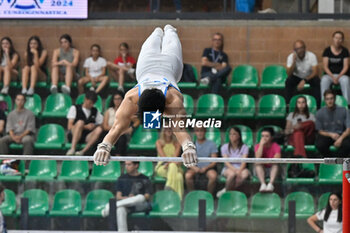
(52, 136)
(243, 76)
(208, 105)
(165, 204)
(46, 170)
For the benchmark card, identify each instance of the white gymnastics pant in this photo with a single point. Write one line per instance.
(161, 54)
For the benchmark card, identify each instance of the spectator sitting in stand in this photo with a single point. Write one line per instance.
(20, 127)
(205, 148)
(35, 68)
(336, 66)
(215, 67)
(333, 126)
(95, 71)
(300, 127)
(84, 124)
(267, 149)
(9, 60)
(123, 65)
(64, 64)
(133, 191)
(168, 146)
(235, 173)
(302, 68)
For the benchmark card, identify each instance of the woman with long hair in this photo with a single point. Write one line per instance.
(123, 66)
(35, 65)
(235, 173)
(9, 60)
(300, 127)
(65, 61)
(168, 146)
(331, 216)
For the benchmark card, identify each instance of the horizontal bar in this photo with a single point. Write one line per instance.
(173, 159)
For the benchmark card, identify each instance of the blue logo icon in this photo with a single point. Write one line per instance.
(24, 4)
(151, 120)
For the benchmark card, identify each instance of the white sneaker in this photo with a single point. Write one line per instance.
(159, 31)
(30, 91)
(24, 91)
(79, 152)
(65, 89)
(262, 188)
(105, 211)
(169, 27)
(205, 80)
(5, 90)
(270, 188)
(120, 88)
(70, 152)
(219, 194)
(53, 89)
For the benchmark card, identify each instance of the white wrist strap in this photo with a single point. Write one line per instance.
(105, 146)
(188, 145)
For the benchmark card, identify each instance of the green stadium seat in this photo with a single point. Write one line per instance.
(74, 171)
(42, 170)
(247, 134)
(273, 77)
(245, 77)
(17, 178)
(67, 203)
(212, 134)
(38, 202)
(210, 106)
(57, 106)
(96, 200)
(97, 105)
(188, 104)
(9, 205)
(33, 103)
(108, 173)
(165, 203)
(189, 85)
(191, 203)
(265, 205)
(272, 107)
(232, 204)
(107, 102)
(330, 174)
(146, 168)
(304, 204)
(8, 100)
(322, 201)
(275, 128)
(143, 139)
(197, 76)
(339, 100)
(50, 136)
(310, 100)
(241, 106)
(300, 180)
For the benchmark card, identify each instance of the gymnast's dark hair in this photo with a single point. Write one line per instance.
(151, 100)
(329, 208)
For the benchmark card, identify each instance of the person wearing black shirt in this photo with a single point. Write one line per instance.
(2, 122)
(336, 66)
(215, 67)
(133, 191)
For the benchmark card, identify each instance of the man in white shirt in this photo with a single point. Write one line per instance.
(301, 69)
(84, 124)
